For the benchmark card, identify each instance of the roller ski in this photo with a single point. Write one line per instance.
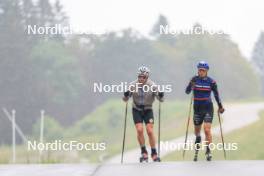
(143, 158)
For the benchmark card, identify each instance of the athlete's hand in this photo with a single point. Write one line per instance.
(161, 94)
(221, 110)
(192, 84)
(125, 99)
(193, 80)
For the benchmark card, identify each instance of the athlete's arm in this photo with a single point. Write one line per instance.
(216, 95)
(190, 86)
(159, 95)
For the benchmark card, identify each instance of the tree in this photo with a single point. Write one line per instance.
(162, 22)
(56, 73)
(258, 54)
(16, 72)
(258, 58)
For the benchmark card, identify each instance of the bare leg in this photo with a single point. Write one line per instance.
(197, 130)
(208, 134)
(151, 136)
(140, 134)
(208, 137)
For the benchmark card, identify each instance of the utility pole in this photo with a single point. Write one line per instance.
(42, 118)
(14, 134)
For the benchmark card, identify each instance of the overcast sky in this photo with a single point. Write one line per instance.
(242, 19)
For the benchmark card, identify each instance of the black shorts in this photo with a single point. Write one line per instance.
(143, 116)
(203, 113)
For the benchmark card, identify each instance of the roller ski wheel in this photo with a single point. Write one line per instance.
(143, 158)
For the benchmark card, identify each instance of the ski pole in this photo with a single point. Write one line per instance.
(124, 136)
(221, 131)
(159, 130)
(187, 126)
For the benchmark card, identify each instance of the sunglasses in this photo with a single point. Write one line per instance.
(143, 77)
(202, 70)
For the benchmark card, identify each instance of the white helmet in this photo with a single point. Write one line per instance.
(143, 71)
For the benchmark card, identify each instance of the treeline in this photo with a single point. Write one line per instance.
(57, 72)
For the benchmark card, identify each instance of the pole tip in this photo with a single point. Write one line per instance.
(42, 112)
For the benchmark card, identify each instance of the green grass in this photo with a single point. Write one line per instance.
(249, 141)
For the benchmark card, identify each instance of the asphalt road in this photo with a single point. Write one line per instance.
(200, 168)
(46, 170)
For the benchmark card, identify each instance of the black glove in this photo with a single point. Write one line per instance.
(193, 80)
(126, 94)
(161, 94)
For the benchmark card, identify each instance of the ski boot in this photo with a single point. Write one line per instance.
(196, 155)
(155, 158)
(197, 148)
(143, 158)
(208, 154)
